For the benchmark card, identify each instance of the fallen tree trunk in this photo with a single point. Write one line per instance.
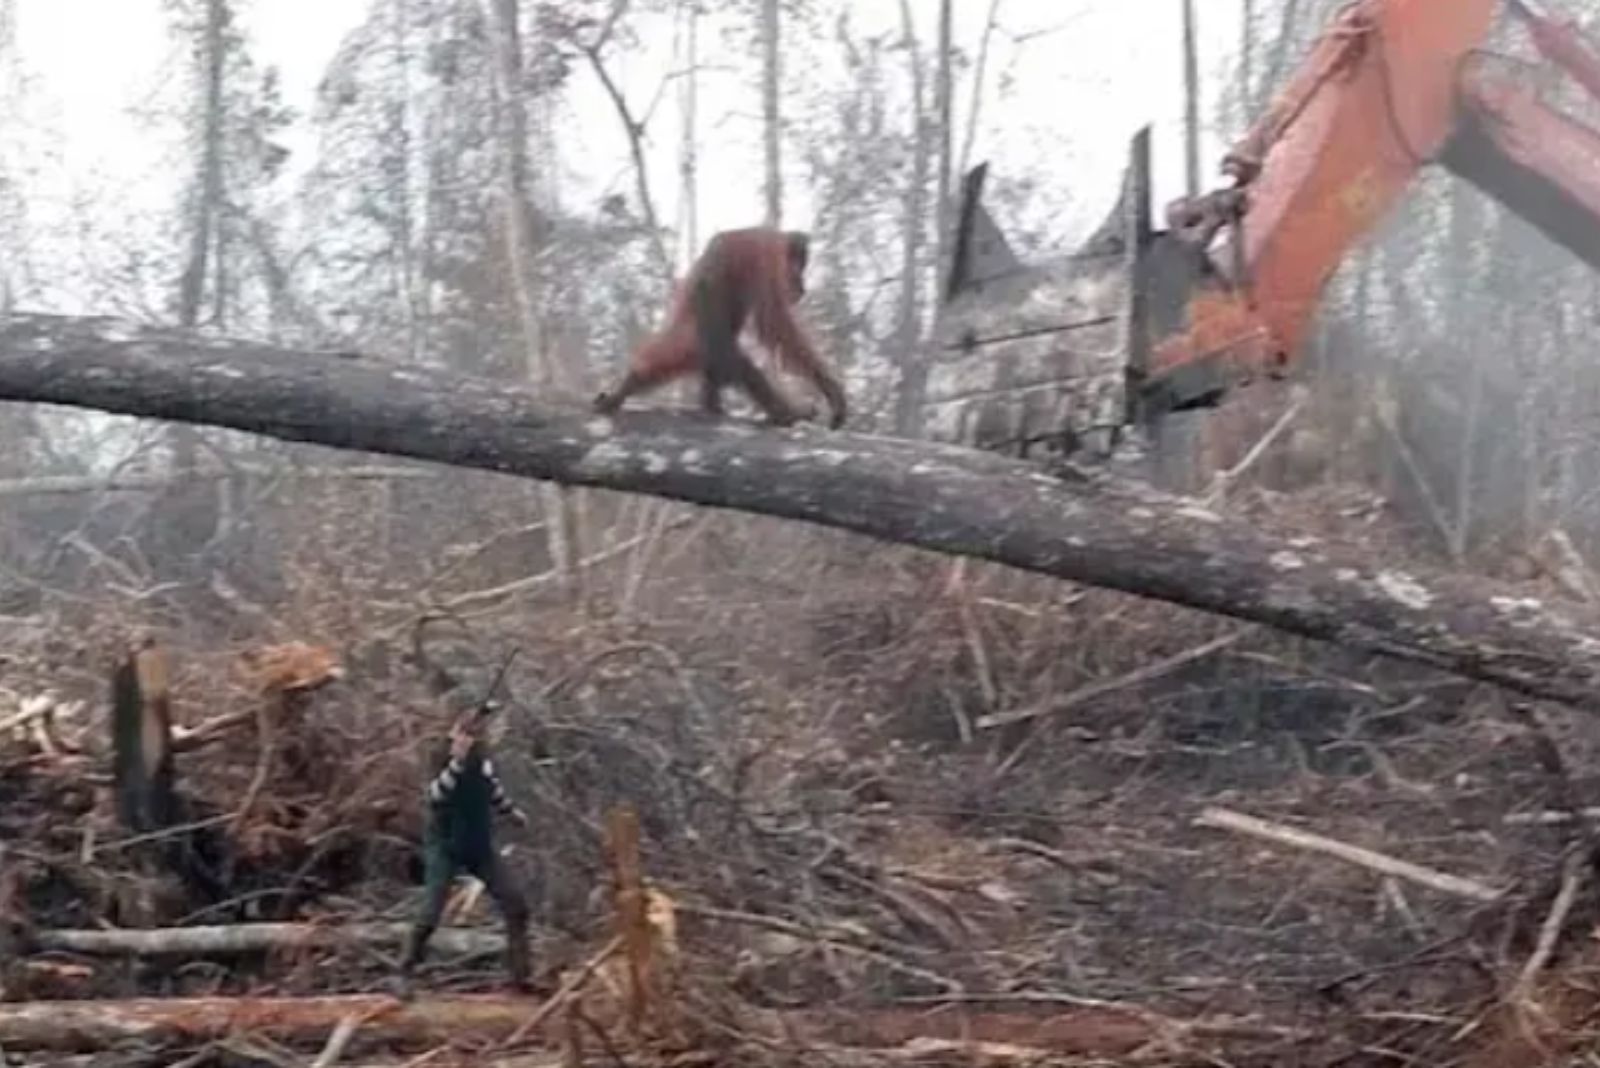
(84, 1026)
(225, 940)
(1096, 531)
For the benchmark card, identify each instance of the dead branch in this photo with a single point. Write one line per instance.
(974, 637)
(1096, 690)
(1564, 794)
(266, 751)
(338, 1040)
(1091, 529)
(564, 995)
(188, 739)
(847, 941)
(1548, 817)
(476, 600)
(1223, 819)
(1555, 922)
(91, 849)
(34, 708)
(1224, 479)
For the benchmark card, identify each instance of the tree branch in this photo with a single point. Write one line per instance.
(1443, 882)
(1091, 529)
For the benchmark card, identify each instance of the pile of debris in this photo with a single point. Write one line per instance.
(232, 886)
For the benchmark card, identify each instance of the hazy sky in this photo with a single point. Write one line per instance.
(1069, 83)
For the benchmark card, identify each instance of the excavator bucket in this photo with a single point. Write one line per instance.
(1127, 274)
(1031, 353)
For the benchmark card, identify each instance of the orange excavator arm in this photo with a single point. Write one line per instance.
(1226, 293)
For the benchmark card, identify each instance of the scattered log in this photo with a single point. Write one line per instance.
(427, 1023)
(86, 1026)
(1444, 883)
(1087, 528)
(230, 939)
(1082, 1025)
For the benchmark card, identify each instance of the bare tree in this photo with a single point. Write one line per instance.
(772, 129)
(398, 120)
(655, 517)
(1191, 101)
(594, 49)
(523, 234)
(1247, 48)
(1466, 232)
(908, 344)
(688, 149)
(201, 507)
(18, 425)
(233, 120)
(980, 72)
(946, 92)
(208, 192)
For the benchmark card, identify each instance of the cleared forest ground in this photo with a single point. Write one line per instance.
(857, 866)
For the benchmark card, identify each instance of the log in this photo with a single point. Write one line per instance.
(86, 1026)
(1092, 529)
(230, 939)
(430, 1022)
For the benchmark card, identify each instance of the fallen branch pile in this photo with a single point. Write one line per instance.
(840, 857)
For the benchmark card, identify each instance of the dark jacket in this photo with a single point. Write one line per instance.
(462, 798)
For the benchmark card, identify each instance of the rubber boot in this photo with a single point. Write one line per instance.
(416, 944)
(517, 957)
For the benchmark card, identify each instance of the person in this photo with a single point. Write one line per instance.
(462, 799)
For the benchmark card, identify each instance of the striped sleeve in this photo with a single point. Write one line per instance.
(444, 783)
(497, 793)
